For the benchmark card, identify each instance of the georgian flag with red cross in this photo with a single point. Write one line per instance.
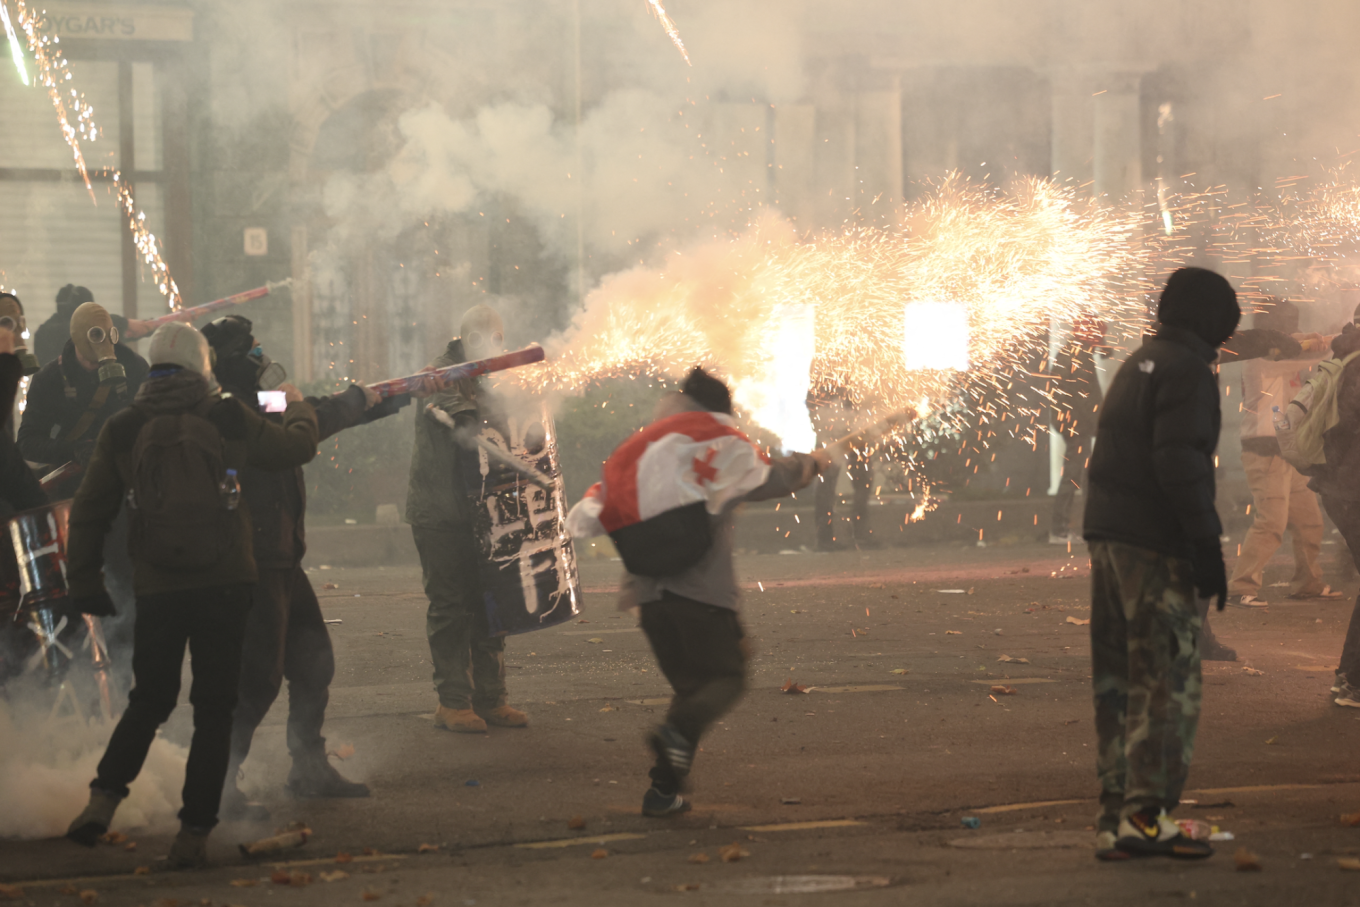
(675, 461)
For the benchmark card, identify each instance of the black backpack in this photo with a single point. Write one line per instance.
(180, 522)
(666, 544)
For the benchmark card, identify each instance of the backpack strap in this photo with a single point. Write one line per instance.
(87, 418)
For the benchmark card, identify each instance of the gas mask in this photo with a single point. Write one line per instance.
(12, 318)
(238, 360)
(270, 374)
(94, 336)
(483, 332)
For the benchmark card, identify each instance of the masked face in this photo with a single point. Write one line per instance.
(270, 373)
(94, 336)
(12, 318)
(483, 332)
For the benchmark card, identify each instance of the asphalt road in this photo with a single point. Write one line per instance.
(863, 781)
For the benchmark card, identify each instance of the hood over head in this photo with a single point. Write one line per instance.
(482, 332)
(1202, 302)
(70, 296)
(179, 344)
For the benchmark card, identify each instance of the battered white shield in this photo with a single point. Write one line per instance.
(528, 565)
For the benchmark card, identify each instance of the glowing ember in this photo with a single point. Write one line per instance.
(935, 336)
(15, 50)
(674, 33)
(146, 244)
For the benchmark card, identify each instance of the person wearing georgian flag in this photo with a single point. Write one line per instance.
(668, 499)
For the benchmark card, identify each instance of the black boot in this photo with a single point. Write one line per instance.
(314, 778)
(1210, 649)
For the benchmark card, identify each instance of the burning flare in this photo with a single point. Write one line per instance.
(671, 31)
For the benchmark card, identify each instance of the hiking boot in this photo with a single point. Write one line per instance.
(237, 806)
(1151, 833)
(95, 819)
(1338, 682)
(189, 849)
(671, 748)
(657, 805)
(463, 721)
(312, 777)
(503, 716)
(1348, 696)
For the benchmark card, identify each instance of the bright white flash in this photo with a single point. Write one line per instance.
(15, 50)
(935, 336)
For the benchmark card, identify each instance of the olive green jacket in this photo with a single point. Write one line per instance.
(436, 497)
(248, 439)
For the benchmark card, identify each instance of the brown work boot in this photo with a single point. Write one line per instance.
(464, 721)
(504, 716)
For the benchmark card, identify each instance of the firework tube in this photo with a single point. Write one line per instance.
(285, 841)
(65, 471)
(468, 439)
(869, 434)
(195, 312)
(449, 374)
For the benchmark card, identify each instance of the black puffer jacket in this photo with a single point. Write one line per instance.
(1340, 477)
(1152, 470)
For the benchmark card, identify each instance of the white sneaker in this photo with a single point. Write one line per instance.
(1250, 601)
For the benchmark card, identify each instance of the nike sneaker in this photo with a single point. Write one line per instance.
(1151, 833)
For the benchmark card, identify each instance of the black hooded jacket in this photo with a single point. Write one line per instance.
(1152, 469)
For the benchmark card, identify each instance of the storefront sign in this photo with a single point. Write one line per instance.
(122, 23)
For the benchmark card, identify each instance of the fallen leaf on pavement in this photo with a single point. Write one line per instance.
(1351, 819)
(428, 848)
(1351, 864)
(89, 896)
(371, 894)
(583, 621)
(791, 801)
(371, 851)
(334, 876)
(131, 845)
(244, 883)
(953, 632)
(11, 892)
(1246, 861)
(875, 585)
(1006, 659)
(687, 886)
(791, 687)
(1078, 621)
(595, 639)
(899, 671)
(344, 751)
(576, 823)
(425, 900)
(113, 837)
(609, 708)
(599, 853)
(343, 857)
(1252, 671)
(1273, 740)
(732, 853)
(142, 871)
(698, 858)
(330, 585)
(1004, 690)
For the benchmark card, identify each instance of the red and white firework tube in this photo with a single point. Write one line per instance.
(396, 386)
(193, 313)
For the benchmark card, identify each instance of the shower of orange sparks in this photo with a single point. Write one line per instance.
(53, 72)
(674, 33)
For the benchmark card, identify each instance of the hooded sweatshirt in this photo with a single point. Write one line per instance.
(1339, 478)
(1152, 470)
(248, 440)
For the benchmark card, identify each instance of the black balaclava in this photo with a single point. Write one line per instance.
(1200, 301)
(232, 342)
(707, 391)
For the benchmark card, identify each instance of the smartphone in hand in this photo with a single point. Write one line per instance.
(273, 401)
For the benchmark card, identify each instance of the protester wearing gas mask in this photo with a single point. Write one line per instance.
(51, 334)
(19, 488)
(12, 320)
(469, 664)
(286, 636)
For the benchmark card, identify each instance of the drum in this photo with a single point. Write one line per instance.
(528, 564)
(11, 594)
(39, 538)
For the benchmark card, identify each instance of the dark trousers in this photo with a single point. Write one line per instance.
(1078, 454)
(469, 663)
(1346, 516)
(861, 477)
(212, 622)
(699, 650)
(286, 638)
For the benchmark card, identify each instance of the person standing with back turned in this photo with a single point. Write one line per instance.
(177, 450)
(1153, 535)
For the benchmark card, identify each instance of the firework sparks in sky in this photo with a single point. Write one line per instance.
(15, 50)
(671, 31)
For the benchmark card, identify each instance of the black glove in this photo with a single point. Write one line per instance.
(1211, 577)
(98, 605)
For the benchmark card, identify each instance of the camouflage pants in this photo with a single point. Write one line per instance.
(1145, 677)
